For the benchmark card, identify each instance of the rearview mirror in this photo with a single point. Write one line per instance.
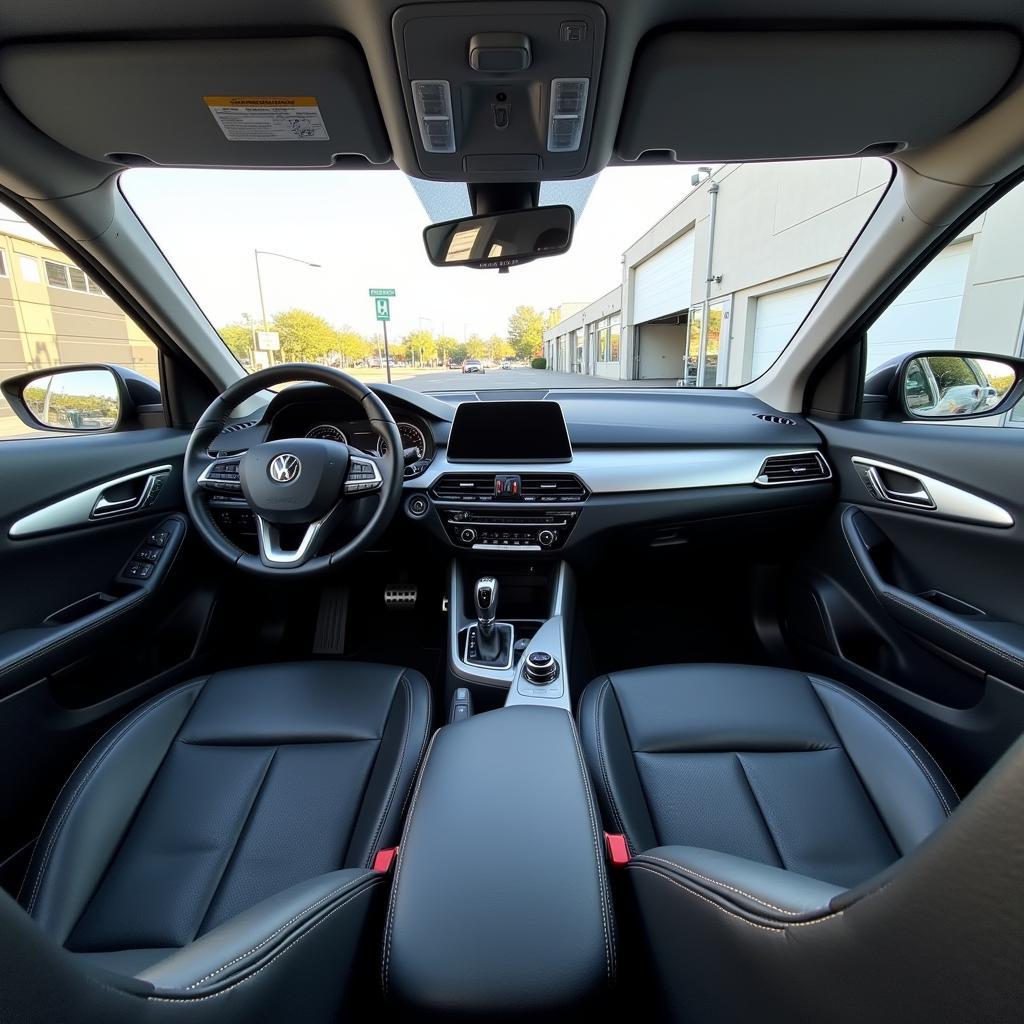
(958, 385)
(500, 240)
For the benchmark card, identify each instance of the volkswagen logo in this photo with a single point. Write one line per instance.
(285, 468)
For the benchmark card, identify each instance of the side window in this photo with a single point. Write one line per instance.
(52, 314)
(970, 297)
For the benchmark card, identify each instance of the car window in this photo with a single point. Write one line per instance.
(308, 266)
(969, 297)
(53, 314)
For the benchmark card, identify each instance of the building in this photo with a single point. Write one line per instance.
(780, 230)
(53, 314)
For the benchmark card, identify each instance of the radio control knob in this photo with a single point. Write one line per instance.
(547, 538)
(468, 535)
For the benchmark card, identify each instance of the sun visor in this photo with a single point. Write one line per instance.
(733, 96)
(211, 103)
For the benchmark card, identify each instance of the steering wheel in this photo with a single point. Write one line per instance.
(295, 486)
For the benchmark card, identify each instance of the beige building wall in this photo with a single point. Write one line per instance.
(45, 324)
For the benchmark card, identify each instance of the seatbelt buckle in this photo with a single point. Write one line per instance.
(385, 859)
(617, 849)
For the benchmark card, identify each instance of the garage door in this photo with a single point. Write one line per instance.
(662, 283)
(776, 318)
(926, 313)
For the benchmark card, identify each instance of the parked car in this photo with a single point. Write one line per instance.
(473, 366)
(507, 364)
(454, 364)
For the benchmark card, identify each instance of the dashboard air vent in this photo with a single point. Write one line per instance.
(553, 487)
(232, 427)
(796, 468)
(782, 421)
(463, 486)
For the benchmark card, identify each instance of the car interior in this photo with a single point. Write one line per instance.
(325, 694)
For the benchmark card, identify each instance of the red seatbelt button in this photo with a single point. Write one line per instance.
(384, 859)
(618, 849)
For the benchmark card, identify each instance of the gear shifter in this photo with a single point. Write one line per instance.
(485, 598)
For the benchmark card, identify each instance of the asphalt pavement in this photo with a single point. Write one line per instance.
(525, 379)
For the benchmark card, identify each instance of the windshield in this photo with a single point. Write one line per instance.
(677, 276)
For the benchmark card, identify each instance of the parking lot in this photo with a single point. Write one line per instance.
(495, 380)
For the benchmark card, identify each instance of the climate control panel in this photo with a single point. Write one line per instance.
(488, 530)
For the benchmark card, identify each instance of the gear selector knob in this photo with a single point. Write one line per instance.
(485, 597)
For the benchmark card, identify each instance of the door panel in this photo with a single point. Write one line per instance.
(917, 606)
(83, 634)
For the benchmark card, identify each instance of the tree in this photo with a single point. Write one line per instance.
(450, 348)
(422, 346)
(476, 347)
(238, 338)
(526, 332)
(352, 346)
(499, 348)
(305, 337)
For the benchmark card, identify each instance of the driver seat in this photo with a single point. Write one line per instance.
(219, 827)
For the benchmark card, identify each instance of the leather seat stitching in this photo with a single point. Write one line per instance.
(598, 704)
(397, 774)
(132, 721)
(609, 945)
(302, 913)
(781, 927)
(903, 743)
(191, 1000)
(419, 757)
(398, 868)
(719, 882)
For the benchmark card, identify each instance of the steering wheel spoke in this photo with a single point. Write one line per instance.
(274, 554)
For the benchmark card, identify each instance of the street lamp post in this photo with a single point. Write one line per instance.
(257, 253)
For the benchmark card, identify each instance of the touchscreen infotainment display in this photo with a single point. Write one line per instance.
(509, 432)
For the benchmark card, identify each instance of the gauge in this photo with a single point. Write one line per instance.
(412, 437)
(328, 432)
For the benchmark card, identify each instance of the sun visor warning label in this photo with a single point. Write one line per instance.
(268, 118)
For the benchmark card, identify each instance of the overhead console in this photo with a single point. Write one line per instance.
(500, 92)
(302, 102)
(735, 95)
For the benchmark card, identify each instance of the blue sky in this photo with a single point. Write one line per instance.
(364, 228)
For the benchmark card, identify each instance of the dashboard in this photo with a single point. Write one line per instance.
(548, 471)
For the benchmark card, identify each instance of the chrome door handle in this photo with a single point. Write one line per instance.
(104, 507)
(920, 498)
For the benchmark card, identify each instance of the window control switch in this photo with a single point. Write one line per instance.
(148, 554)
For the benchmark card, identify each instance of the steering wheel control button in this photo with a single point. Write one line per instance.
(222, 475)
(541, 668)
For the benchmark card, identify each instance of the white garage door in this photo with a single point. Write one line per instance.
(926, 313)
(776, 318)
(662, 282)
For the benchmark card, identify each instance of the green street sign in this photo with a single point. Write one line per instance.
(383, 309)
(381, 293)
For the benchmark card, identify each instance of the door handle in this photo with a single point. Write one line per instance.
(918, 497)
(148, 482)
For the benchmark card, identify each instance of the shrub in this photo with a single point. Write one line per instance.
(540, 363)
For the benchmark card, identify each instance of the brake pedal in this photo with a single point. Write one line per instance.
(400, 597)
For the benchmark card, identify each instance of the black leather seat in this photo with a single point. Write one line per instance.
(767, 764)
(222, 824)
(797, 855)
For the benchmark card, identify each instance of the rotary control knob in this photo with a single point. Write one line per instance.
(541, 668)
(547, 537)
(468, 535)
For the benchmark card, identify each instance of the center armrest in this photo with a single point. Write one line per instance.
(501, 902)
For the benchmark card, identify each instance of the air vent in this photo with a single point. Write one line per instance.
(433, 103)
(464, 487)
(782, 421)
(568, 109)
(796, 468)
(553, 487)
(232, 427)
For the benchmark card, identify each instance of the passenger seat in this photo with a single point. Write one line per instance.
(791, 857)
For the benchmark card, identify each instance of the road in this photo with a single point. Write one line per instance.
(497, 380)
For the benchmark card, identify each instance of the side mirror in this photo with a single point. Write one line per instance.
(500, 240)
(957, 385)
(79, 399)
